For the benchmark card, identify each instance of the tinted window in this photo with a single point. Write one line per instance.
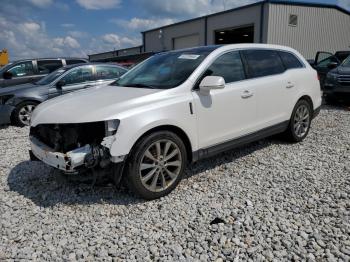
(346, 62)
(74, 61)
(51, 77)
(48, 66)
(108, 72)
(263, 63)
(290, 61)
(324, 63)
(79, 75)
(22, 69)
(229, 66)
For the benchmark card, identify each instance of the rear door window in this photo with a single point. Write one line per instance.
(263, 63)
(289, 60)
(109, 72)
(79, 75)
(229, 66)
(22, 69)
(48, 66)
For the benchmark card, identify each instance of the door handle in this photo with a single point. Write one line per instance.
(290, 85)
(246, 94)
(87, 86)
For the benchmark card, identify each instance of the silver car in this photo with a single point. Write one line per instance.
(18, 102)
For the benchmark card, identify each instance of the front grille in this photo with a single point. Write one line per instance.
(344, 80)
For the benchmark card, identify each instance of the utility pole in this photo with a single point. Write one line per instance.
(224, 1)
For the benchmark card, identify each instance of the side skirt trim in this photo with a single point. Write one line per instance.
(238, 142)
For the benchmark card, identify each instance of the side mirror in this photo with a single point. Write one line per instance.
(60, 83)
(211, 83)
(7, 75)
(332, 65)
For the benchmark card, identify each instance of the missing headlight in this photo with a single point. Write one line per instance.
(111, 127)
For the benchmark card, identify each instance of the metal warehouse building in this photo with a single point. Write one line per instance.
(306, 27)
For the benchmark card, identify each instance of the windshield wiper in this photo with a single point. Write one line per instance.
(142, 86)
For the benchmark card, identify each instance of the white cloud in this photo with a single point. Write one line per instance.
(41, 3)
(30, 27)
(67, 25)
(119, 42)
(67, 41)
(78, 34)
(141, 24)
(99, 4)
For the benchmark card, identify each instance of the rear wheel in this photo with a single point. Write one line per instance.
(300, 122)
(23, 113)
(156, 165)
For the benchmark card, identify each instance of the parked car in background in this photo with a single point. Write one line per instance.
(176, 107)
(31, 70)
(326, 61)
(18, 102)
(337, 82)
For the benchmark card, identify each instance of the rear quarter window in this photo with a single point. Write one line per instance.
(263, 63)
(289, 60)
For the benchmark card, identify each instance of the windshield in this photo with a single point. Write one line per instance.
(346, 63)
(51, 77)
(165, 70)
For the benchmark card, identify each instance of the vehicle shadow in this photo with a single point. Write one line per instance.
(46, 187)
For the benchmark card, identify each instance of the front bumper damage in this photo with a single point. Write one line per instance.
(75, 148)
(68, 162)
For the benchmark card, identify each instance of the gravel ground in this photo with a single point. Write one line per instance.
(267, 201)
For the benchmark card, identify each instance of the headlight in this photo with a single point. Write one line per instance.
(112, 127)
(332, 76)
(4, 99)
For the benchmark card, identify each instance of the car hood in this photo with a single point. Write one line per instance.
(13, 89)
(342, 70)
(91, 105)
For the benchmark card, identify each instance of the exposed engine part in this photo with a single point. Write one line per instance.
(98, 156)
(67, 137)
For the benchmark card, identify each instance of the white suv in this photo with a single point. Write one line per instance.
(177, 107)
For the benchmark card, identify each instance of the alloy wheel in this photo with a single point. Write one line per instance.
(301, 121)
(25, 113)
(160, 165)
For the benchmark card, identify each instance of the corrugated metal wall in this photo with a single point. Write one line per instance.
(318, 29)
(230, 19)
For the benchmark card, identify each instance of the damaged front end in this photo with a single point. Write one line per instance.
(75, 148)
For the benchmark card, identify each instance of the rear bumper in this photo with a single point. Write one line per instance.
(68, 162)
(5, 114)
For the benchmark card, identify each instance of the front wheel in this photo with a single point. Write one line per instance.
(23, 113)
(156, 165)
(300, 122)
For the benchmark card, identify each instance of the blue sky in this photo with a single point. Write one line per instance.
(42, 28)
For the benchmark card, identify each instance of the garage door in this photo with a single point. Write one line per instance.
(186, 41)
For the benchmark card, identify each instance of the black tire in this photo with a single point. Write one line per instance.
(291, 133)
(133, 172)
(16, 114)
